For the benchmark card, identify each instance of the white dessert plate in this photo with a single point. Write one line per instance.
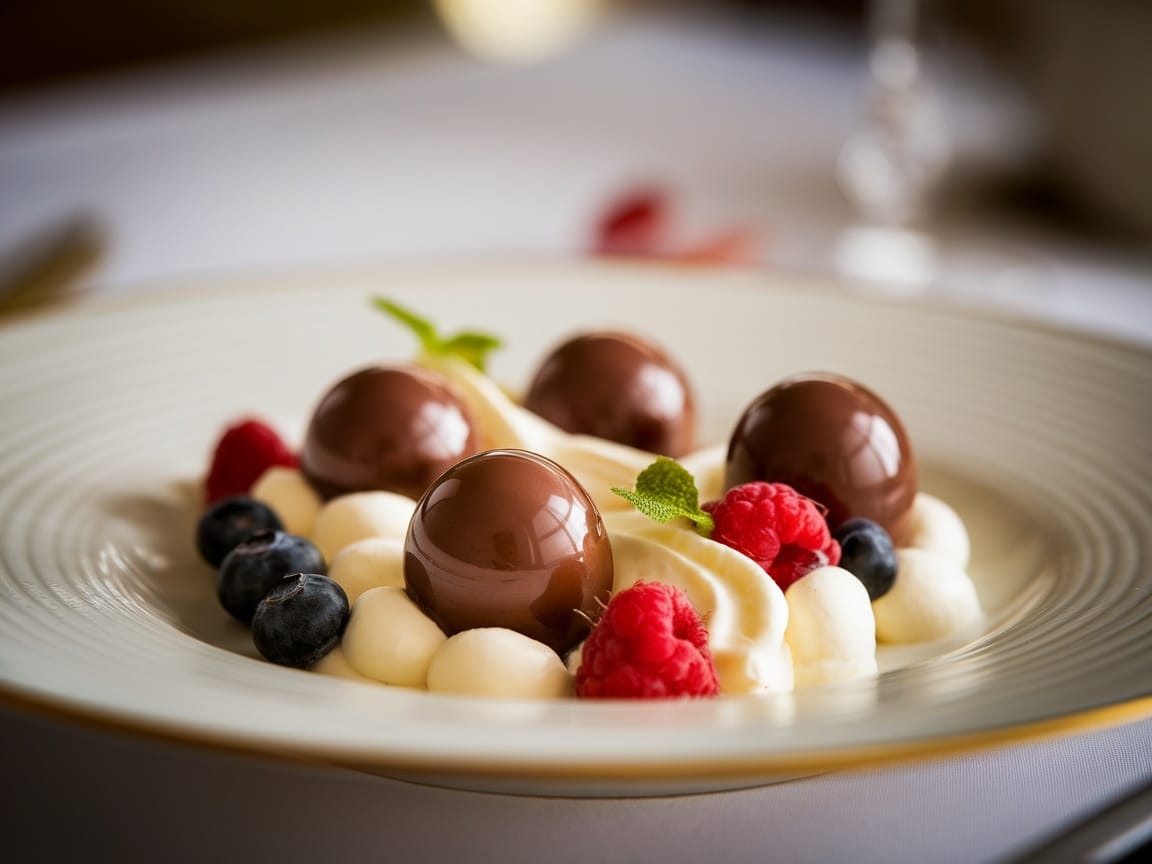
(1038, 437)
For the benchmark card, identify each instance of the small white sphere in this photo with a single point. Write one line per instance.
(495, 661)
(931, 599)
(575, 658)
(358, 516)
(372, 563)
(287, 492)
(831, 630)
(334, 663)
(935, 527)
(388, 638)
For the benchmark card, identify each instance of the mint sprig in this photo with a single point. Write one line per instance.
(468, 345)
(666, 490)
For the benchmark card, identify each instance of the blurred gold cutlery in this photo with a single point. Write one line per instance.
(50, 266)
(1120, 832)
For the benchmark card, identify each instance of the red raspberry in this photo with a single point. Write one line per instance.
(636, 224)
(245, 451)
(648, 644)
(639, 224)
(777, 527)
(737, 246)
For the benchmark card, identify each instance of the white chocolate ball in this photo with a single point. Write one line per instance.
(388, 638)
(358, 516)
(495, 661)
(287, 492)
(931, 599)
(336, 664)
(365, 564)
(831, 630)
(935, 527)
(575, 658)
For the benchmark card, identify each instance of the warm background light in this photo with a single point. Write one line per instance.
(517, 30)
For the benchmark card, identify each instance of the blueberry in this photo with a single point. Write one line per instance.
(227, 522)
(866, 551)
(258, 564)
(300, 620)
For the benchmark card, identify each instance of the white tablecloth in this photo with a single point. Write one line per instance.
(376, 147)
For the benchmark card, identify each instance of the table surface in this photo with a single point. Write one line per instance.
(371, 148)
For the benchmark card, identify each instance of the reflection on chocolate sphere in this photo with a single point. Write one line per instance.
(386, 427)
(619, 387)
(509, 539)
(833, 440)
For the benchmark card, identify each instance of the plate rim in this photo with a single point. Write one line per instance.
(767, 767)
(180, 287)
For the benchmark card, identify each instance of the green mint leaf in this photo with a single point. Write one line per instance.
(473, 347)
(665, 490)
(469, 346)
(424, 330)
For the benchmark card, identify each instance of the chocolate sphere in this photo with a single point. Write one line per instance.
(386, 427)
(618, 387)
(833, 440)
(509, 539)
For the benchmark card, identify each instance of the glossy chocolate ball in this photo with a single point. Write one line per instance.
(619, 387)
(509, 539)
(387, 428)
(833, 440)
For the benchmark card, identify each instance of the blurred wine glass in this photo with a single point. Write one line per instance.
(892, 163)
